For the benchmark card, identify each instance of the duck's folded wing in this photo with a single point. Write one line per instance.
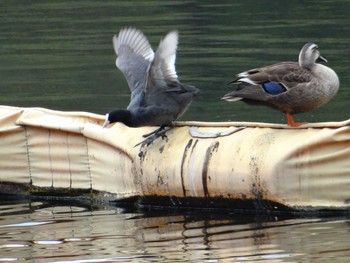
(135, 56)
(260, 84)
(289, 74)
(248, 92)
(163, 70)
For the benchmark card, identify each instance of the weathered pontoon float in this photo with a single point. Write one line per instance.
(233, 165)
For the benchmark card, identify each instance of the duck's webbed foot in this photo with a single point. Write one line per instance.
(291, 122)
(150, 137)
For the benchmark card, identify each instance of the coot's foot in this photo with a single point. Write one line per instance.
(150, 137)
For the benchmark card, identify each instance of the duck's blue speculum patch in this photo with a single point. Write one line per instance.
(273, 88)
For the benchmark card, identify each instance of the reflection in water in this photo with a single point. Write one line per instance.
(46, 231)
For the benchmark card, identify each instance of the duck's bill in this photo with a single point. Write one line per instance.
(321, 59)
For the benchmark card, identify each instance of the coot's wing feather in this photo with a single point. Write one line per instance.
(163, 67)
(135, 56)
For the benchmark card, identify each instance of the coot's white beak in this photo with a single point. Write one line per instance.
(107, 122)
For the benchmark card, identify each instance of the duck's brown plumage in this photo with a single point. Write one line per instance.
(289, 87)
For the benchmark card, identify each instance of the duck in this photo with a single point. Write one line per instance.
(158, 98)
(290, 87)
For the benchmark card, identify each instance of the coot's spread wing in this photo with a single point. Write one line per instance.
(135, 56)
(163, 67)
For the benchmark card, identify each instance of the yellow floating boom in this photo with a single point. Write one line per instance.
(200, 164)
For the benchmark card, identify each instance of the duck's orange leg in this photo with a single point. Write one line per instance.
(291, 121)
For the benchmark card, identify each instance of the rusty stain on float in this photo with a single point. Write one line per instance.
(205, 177)
(184, 155)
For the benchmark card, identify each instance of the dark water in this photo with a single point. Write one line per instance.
(59, 55)
(43, 231)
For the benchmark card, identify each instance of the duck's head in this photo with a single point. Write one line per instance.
(310, 54)
(123, 116)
